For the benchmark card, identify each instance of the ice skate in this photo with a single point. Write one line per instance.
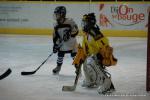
(107, 87)
(112, 88)
(56, 70)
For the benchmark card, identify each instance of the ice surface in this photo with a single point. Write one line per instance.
(26, 53)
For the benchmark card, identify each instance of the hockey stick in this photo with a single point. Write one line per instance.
(72, 88)
(32, 72)
(4, 75)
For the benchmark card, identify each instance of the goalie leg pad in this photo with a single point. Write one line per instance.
(94, 76)
(89, 72)
(105, 87)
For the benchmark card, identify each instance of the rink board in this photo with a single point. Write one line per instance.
(36, 18)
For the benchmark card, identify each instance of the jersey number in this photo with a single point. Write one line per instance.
(66, 35)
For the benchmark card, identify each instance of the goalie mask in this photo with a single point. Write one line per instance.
(88, 21)
(59, 13)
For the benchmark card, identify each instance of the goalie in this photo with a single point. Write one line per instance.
(96, 55)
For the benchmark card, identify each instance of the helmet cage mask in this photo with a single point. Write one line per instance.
(59, 13)
(88, 21)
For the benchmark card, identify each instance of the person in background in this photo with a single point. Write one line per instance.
(64, 36)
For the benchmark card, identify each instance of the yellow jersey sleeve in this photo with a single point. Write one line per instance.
(93, 46)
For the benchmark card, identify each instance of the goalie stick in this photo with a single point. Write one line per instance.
(72, 88)
(4, 75)
(32, 72)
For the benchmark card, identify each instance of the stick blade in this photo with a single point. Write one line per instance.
(27, 73)
(5, 74)
(68, 88)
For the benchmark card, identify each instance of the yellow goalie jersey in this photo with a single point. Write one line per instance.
(92, 46)
(89, 47)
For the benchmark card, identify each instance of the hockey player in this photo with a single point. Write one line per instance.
(95, 54)
(64, 36)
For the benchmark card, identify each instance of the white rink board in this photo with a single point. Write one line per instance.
(40, 15)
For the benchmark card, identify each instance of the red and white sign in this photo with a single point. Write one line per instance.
(124, 16)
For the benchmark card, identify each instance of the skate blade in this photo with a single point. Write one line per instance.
(68, 88)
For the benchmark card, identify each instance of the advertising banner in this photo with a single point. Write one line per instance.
(26, 17)
(124, 16)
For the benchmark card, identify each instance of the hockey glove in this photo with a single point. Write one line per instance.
(55, 48)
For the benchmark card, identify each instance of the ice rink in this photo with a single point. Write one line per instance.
(27, 52)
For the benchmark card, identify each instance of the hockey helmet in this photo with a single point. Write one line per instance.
(88, 21)
(59, 12)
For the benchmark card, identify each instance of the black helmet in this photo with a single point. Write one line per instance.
(61, 11)
(89, 18)
(88, 21)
